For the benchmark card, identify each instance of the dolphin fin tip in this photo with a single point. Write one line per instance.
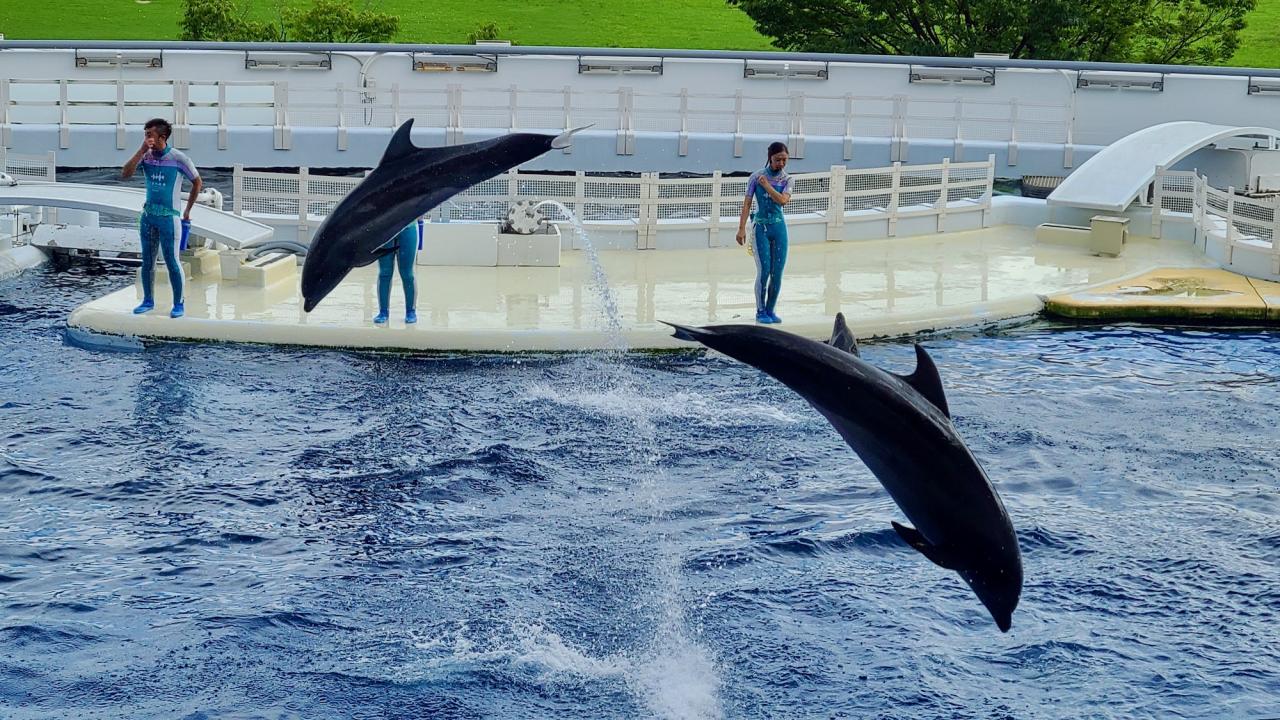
(565, 139)
(682, 332)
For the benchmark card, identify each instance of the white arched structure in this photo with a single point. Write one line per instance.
(1122, 171)
(222, 227)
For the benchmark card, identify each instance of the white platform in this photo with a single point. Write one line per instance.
(891, 288)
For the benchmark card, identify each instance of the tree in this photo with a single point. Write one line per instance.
(326, 21)
(336, 21)
(1162, 31)
(222, 21)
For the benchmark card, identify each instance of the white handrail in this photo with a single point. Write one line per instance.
(649, 201)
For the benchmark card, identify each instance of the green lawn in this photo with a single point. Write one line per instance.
(709, 24)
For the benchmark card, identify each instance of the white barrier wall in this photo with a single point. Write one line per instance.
(659, 113)
(666, 213)
(1236, 231)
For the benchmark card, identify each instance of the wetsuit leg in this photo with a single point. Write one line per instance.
(169, 233)
(777, 261)
(763, 263)
(147, 234)
(386, 268)
(405, 258)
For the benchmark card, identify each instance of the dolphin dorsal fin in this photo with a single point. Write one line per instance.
(925, 380)
(925, 548)
(842, 337)
(401, 144)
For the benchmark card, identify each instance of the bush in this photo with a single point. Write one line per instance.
(325, 21)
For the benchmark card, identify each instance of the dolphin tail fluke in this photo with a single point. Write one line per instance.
(565, 139)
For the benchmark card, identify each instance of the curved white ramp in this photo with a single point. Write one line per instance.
(221, 226)
(1122, 171)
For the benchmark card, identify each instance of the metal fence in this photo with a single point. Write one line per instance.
(1180, 196)
(648, 202)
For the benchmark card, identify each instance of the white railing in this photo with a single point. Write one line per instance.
(29, 167)
(459, 108)
(1240, 221)
(648, 202)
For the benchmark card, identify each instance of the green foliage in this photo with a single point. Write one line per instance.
(327, 21)
(336, 21)
(222, 21)
(483, 32)
(1167, 31)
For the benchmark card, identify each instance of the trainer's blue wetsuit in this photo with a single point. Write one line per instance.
(770, 238)
(404, 251)
(161, 221)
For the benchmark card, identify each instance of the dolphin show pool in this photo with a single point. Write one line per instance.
(245, 531)
(1005, 456)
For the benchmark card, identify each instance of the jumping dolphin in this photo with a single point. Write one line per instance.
(901, 428)
(408, 182)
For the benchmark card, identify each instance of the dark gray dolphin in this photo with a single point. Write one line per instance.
(408, 182)
(901, 428)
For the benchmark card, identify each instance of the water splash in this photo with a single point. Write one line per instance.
(616, 343)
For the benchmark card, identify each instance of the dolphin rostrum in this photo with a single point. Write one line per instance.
(407, 183)
(901, 428)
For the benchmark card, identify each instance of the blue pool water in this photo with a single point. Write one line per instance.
(210, 531)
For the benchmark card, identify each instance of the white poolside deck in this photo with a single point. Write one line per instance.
(886, 288)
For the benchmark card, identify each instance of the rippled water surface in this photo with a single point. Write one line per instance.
(210, 531)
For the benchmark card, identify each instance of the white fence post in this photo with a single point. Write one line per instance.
(835, 203)
(222, 115)
(684, 122)
(453, 126)
(182, 114)
(737, 124)
(901, 107)
(237, 189)
(342, 117)
(941, 204)
(647, 229)
(848, 127)
(626, 133)
(717, 189)
(1013, 132)
(304, 192)
(895, 185)
(5, 130)
(986, 199)
(1157, 202)
(795, 143)
(281, 103)
(395, 105)
(120, 116)
(64, 124)
(1231, 224)
(513, 107)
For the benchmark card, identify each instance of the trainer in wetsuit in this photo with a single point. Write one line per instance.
(770, 189)
(403, 250)
(161, 221)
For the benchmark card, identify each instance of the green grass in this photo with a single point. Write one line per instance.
(701, 24)
(1258, 46)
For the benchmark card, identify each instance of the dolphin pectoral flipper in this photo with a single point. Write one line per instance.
(918, 541)
(926, 381)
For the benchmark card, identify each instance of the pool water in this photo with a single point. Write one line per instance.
(218, 531)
